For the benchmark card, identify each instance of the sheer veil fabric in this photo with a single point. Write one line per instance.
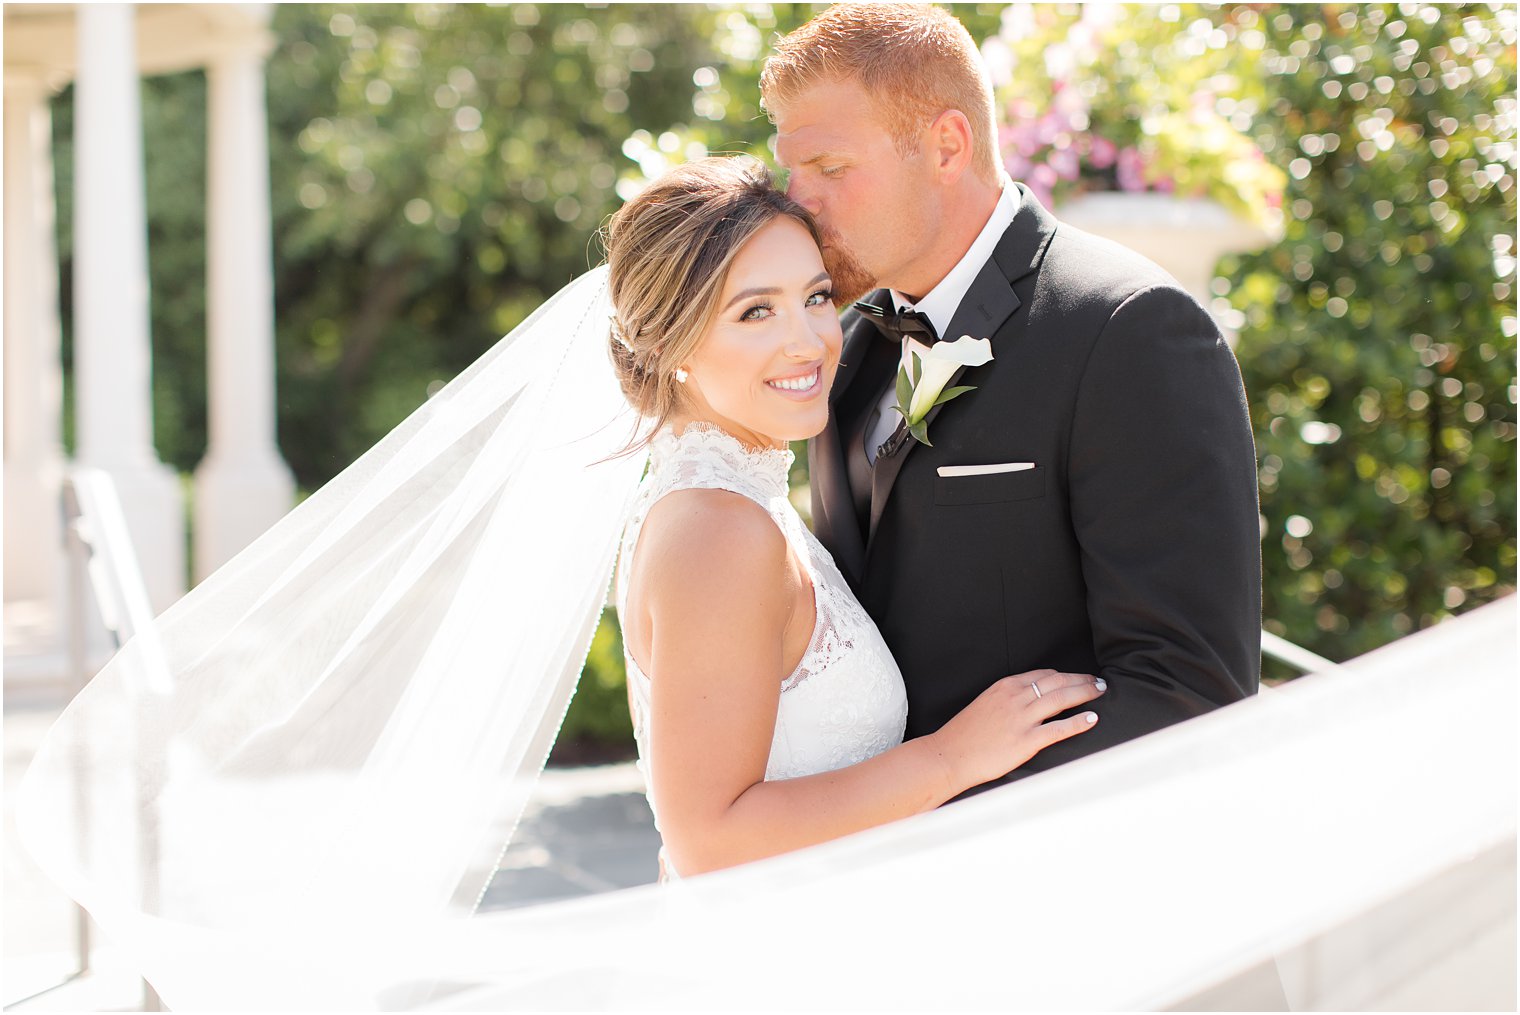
(1351, 835)
(308, 754)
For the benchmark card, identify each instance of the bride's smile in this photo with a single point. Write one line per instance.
(763, 367)
(801, 386)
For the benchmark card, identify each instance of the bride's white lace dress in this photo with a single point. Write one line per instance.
(845, 701)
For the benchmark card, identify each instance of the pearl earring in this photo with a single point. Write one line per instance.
(680, 376)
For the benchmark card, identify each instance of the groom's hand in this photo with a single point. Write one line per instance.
(1006, 724)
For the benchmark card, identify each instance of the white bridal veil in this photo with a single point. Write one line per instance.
(1346, 842)
(308, 751)
(280, 797)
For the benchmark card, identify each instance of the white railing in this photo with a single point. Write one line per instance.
(1284, 651)
(103, 567)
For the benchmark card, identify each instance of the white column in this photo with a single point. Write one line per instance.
(112, 350)
(33, 368)
(242, 486)
(1186, 236)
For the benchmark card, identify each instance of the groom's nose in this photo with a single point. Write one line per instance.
(803, 195)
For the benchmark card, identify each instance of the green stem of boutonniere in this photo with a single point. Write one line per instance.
(922, 388)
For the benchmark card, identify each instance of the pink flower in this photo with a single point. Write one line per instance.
(1069, 102)
(1025, 137)
(1130, 169)
(1016, 164)
(1043, 177)
(1065, 163)
(1101, 152)
(1051, 126)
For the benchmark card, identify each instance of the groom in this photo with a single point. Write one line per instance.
(1090, 505)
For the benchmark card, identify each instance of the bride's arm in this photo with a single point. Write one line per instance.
(718, 595)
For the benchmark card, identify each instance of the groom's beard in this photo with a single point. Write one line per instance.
(850, 278)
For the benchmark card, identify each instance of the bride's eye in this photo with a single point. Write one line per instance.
(820, 297)
(754, 313)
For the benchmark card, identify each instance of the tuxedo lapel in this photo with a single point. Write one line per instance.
(862, 337)
(986, 307)
(828, 467)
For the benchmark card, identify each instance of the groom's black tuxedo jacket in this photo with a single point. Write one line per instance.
(1131, 550)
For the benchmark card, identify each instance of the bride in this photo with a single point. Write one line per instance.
(330, 738)
(768, 711)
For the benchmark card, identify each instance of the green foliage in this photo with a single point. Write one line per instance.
(1378, 339)
(437, 172)
(599, 711)
(174, 131)
(174, 145)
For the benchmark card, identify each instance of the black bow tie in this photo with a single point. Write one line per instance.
(899, 324)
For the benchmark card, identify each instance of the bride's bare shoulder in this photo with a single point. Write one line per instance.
(710, 568)
(703, 537)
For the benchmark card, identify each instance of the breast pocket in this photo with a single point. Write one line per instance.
(950, 491)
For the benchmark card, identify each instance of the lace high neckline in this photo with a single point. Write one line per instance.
(768, 468)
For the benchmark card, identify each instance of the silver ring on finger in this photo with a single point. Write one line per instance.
(1034, 685)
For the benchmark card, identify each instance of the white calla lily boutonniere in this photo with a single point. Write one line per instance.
(924, 388)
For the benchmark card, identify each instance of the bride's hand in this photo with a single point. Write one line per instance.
(1006, 724)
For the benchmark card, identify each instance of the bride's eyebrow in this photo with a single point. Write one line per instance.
(745, 294)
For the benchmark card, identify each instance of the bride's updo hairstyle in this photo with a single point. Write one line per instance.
(668, 254)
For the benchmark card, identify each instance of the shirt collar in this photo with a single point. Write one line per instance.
(940, 304)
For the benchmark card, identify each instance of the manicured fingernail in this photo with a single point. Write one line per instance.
(1092, 717)
(1102, 684)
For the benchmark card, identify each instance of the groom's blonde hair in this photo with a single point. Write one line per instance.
(914, 61)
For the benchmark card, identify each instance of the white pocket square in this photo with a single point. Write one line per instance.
(983, 470)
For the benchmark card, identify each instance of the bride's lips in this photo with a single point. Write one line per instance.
(799, 386)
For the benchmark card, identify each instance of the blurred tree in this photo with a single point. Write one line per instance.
(1378, 339)
(597, 726)
(438, 172)
(174, 142)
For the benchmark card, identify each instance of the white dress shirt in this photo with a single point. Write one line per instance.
(940, 305)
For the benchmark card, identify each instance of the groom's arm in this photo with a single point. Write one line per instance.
(1162, 479)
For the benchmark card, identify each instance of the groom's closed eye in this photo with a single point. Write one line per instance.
(829, 168)
(827, 163)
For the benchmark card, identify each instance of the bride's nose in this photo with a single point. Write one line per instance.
(803, 342)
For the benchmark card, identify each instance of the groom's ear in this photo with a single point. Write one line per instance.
(949, 142)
